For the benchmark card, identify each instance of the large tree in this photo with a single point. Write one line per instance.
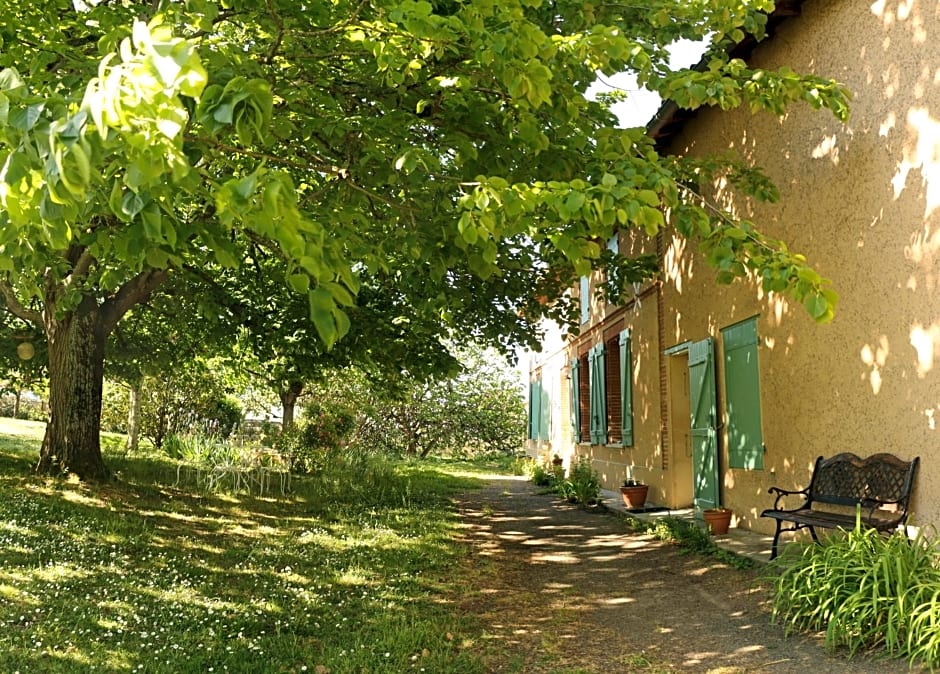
(346, 138)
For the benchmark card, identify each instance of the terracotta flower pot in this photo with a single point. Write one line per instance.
(634, 496)
(718, 520)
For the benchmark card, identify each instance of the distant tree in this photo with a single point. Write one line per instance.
(160, 337)
(479, 409)
(23, 358)
(194, 398)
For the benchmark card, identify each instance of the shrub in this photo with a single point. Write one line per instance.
(195, 448)
(541, 474)
(317, 440)
(290, 444)
(865, 591)
(521, 465)
(583, 484)
(327, 426)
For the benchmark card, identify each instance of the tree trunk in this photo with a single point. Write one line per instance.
(288, 398)
(76, 339)
(133, 416)
(72, 443)
(16, 403)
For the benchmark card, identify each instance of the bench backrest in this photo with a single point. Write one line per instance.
(846, 479)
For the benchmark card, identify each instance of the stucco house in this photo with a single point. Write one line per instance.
(712, 393)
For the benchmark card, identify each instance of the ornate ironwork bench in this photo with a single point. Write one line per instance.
(880, 484)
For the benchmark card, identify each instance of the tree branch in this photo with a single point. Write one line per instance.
(16, 307)
(133, 292)
(320, 163)
(80, 267)
(276, 44)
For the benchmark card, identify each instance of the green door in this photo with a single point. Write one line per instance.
(704, 419)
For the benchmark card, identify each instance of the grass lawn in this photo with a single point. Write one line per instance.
(352, 572)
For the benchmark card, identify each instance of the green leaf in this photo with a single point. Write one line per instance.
(817, 306)
(648, 197)
(225, 257)
(299, 282)
(58, 234)
(157, 258)
(652, 219)
(131, 204)
(574, 202)
(152, 219)
(340, 294)
(342, 323)
(321, 313)
(15, 168)
(25, 119)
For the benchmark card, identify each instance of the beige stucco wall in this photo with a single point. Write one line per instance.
(861, 201)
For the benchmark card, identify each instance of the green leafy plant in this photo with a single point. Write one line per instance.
(692, 539)
(865, 591)
(540, 474)
(195, 448)
(521, 465)
(311, 446)
(583, 484)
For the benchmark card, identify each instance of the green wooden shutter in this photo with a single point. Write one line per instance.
(704, 424)
(626, 389)
(598, 397)
(575, 400)
(742, 395)
(545, 413)
(535, 400)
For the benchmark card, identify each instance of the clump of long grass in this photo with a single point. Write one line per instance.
(865, 591)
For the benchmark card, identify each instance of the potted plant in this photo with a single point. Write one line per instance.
(717, 520)
(633, 493)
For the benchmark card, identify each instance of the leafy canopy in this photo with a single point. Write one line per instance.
(450, 139)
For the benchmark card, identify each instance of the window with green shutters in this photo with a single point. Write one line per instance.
(612, 381)
(545, 414)
(601, 386)
(598, 396)
(742, 395)
(584, 397)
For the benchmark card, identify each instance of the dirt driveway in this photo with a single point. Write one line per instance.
(562, 589)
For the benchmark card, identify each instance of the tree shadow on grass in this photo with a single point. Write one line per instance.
(137, 572)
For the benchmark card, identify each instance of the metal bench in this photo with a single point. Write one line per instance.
(880, 485)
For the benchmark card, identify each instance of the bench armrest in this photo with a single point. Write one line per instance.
(783, 493)
(872, 505)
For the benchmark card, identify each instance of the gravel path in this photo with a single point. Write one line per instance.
(565, 589)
